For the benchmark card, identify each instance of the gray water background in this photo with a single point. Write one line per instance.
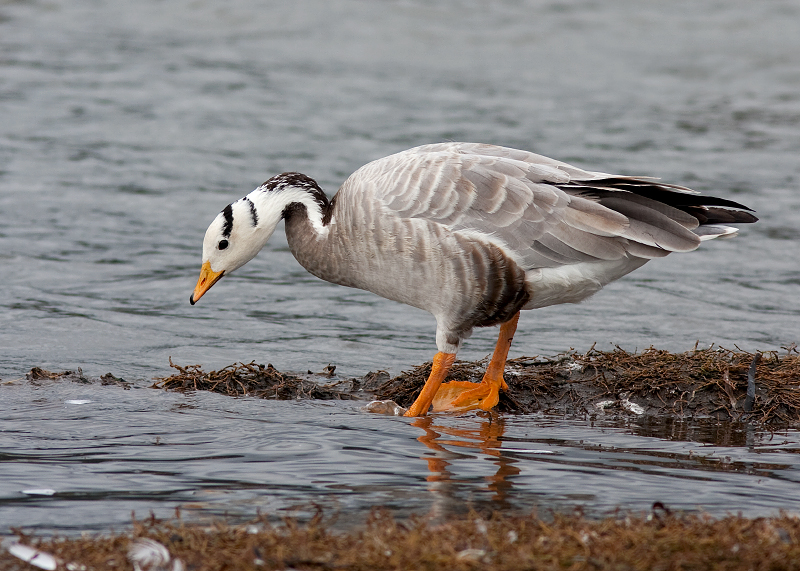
(126, 126)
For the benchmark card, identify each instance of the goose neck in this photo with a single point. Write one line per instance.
(291, 195)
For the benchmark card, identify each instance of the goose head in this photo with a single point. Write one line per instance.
(243, 227)
(233, 238)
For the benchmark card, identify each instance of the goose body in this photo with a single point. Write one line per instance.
(473, 234)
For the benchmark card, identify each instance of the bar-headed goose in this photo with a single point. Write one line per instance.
(472, 233)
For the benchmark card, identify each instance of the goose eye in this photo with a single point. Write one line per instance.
(222, 244)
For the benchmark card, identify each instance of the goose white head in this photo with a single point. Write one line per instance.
(233, 239)
(243, 228)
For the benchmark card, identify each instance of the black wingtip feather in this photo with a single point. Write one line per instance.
(707, 209)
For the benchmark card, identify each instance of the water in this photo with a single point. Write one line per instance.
(124, 128)
(142, 450)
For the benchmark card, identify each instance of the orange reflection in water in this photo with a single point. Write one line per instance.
(486, 438)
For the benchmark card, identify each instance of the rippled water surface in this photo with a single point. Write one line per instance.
(124, 128)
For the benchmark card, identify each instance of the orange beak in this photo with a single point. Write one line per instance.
(208, 278)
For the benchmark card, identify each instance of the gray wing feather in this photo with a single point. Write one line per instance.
(545, 212)
(649, 226)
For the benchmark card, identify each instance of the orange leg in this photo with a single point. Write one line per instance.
(460, 395)
(441, 365)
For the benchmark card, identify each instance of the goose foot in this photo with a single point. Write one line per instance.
(461, 396)
(457, 396)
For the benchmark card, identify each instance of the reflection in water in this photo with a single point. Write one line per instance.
(486, 438)
(599, 467)
(704, 430)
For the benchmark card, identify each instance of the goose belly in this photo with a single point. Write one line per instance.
(463, 282)
(575, 282)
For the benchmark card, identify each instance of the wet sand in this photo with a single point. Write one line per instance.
(659, 540)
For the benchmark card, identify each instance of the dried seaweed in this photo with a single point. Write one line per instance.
(249, 379)
(709, 382)
(702, 383)
(659, 540)
(39, 374)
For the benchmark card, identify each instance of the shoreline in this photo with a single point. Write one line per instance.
(658, 540)
(716, 383)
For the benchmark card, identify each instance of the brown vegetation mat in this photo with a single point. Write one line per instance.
(660, 541)
(249, 379)
(702, 383)
(698, 383)
(38, 374)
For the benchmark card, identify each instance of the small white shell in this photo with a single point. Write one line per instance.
(33, 556)
(387, 407)
(470, 555)
(149, 555)
(632, 407)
